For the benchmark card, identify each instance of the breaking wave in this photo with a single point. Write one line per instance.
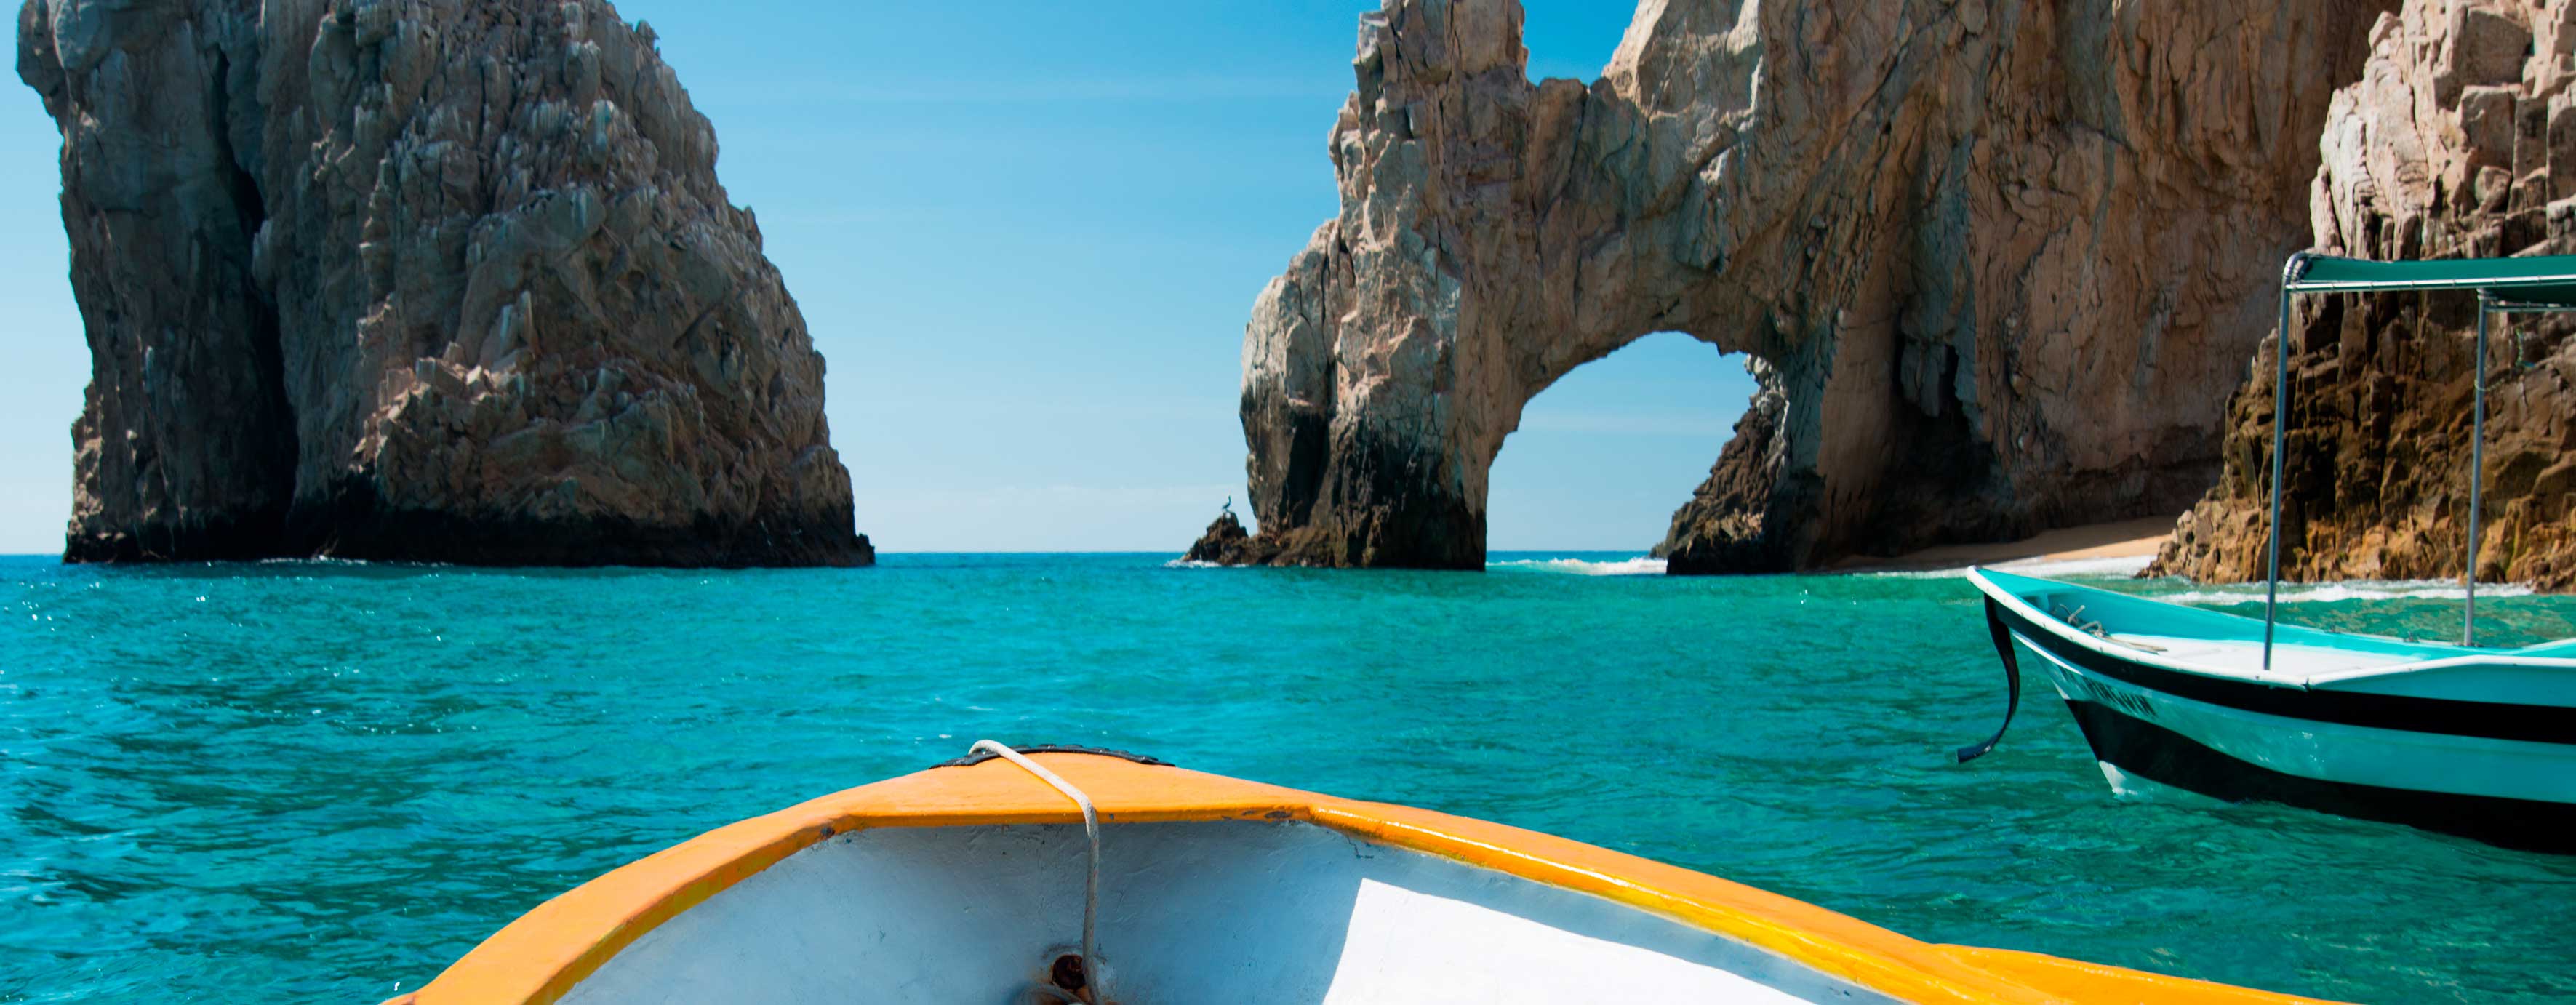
(2327, 593)
(2242, 593)
(1580, 567)
(2124, 566)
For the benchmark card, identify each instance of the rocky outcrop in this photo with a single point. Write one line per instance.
(1226, 543)
(2459, 140)
(1998, 263)
(420, 279)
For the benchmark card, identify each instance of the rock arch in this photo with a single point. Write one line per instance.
(1599, 456)
(2000, 263)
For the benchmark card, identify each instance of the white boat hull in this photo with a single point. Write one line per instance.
(2328, 752)
(2425, 743)
(971, 882)
(1191, 912)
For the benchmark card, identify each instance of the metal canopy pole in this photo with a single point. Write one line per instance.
(2551, 293)
(2477, 467)
(2280, 403)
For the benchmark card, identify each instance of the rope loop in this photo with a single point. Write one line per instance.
(1092, 978)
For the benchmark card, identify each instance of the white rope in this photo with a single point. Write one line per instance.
(1091, 977)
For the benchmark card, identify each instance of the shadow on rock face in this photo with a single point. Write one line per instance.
(2377, 411)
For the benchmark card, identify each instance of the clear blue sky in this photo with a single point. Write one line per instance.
(1026, 235)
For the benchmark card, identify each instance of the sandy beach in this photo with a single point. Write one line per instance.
(2122, 543)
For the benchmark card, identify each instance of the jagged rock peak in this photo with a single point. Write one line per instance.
(1997, 264)
(1224, 543)
(420, 279)
(2458, 140)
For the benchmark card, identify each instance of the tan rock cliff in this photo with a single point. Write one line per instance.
(2459, 140)
(420, 279)
(1998, 264)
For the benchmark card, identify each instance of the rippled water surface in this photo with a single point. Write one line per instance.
(309, 781)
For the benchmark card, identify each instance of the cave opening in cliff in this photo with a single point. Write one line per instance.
(264, 419)
(1605, 454)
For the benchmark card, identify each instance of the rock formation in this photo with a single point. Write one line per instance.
(2458, 140)
(1998, 263)
(420, 279)
(1224, 543)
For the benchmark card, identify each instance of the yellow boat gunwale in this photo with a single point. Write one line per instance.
(539, 957)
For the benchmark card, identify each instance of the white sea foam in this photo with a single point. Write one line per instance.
(2119, 565)
(2243, 593)
(2327, 593)
(1183, 563)
(2123, 566)
(1579, 567)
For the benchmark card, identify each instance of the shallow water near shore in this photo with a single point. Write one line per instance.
(304, 781)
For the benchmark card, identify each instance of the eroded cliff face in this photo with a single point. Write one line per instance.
(1998, 263)
(2459, 140)
(442, 280)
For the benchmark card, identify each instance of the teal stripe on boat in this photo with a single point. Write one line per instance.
(2142, 616)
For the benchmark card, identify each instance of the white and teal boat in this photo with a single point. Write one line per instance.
(2462, 739)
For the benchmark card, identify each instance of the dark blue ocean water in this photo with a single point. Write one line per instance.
(324, 782)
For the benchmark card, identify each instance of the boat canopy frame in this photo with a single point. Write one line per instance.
(2523, 285)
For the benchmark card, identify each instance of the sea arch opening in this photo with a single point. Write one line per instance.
(1603, 456)
(1572, 39)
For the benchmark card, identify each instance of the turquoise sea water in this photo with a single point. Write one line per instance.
(305, 781)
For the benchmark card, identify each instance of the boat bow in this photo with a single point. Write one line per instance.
(552, 950)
